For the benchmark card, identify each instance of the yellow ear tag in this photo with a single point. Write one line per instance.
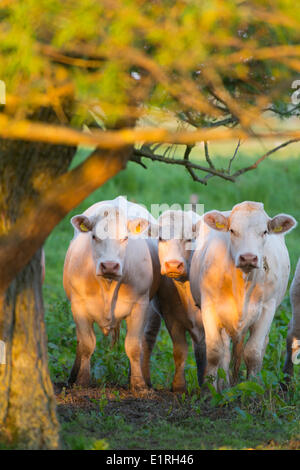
(278, 229)
(218, 225)
(138, 228)
(83, 227)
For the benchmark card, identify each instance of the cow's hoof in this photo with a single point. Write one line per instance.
(83, 383)
(139, 389)
(179, 389)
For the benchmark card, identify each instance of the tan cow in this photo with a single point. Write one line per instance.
(176, 231)
(293, 337)
(109, 276)
(239, 275)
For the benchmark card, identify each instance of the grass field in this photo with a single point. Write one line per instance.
(254, 415)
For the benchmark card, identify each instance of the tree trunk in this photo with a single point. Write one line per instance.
(27, 403)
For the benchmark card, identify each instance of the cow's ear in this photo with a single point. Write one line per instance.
(217, 221)
(137, 226)
(281, 223)
(82, 223)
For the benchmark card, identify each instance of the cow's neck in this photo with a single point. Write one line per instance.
(182, 286)
(110, 289)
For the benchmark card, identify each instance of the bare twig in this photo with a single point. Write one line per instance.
(283, 113)
(263, 157)
(207, 157)
(190, 170)
(223, 122)
(146, 151)
(233, 157)
(187, 152)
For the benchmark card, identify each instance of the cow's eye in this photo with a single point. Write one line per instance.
(232, 231)
(189, 240)
(265, 232)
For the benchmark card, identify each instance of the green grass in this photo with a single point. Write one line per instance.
(224, 431)
(246, 419)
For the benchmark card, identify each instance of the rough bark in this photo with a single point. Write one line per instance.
(27, 403)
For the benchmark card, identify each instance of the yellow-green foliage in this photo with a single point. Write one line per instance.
(184, 46)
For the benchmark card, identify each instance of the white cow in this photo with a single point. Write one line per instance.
(293, 337)
(110, 276)
(239, 275)
(176, 231)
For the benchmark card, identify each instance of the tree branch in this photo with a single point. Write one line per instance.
(145, 151)
(38, 132)
(190, 170)
(262, 158)
(207, 157)
(30, 231)
(233, 157)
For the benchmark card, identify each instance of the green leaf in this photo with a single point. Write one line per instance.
(251, 387)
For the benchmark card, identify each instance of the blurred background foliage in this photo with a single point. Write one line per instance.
(202, 61)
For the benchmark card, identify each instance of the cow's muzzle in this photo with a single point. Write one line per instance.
(247, 262)
(174, 268)
(109, 269)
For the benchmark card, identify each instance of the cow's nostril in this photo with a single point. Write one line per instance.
(109, 267)
(248, 259)
(175, 265)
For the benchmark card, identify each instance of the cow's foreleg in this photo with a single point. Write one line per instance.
(237, 353)
(225, 360)
(180, 350)
(214, 343)
(152, 327)
(133, 345)
(198, 336)
(288, 367)
(258, 339)
(86, 342)
(200, 358)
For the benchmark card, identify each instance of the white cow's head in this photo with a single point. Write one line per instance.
(176, 232)
(249, 226)
(109, 231)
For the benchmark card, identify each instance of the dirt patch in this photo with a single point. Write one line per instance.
(136, 407)
(206, 426)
